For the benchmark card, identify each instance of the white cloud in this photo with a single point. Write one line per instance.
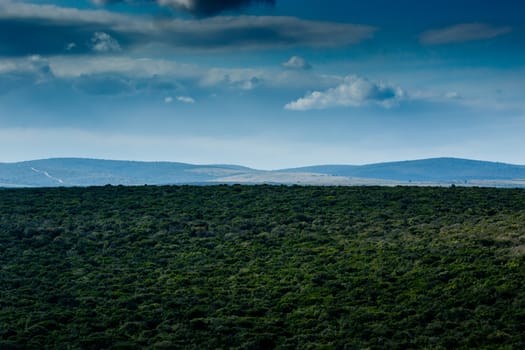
(462, 33)
(354, 91)
(160, 73)
(168, 99)
(66, 17)
(185, 99)
(72, 67)
(103, 42)
(32, 64)
(296, 62)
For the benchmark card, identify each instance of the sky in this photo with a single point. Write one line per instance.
(266, 84)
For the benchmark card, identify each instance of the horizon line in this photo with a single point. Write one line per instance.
(254, 168)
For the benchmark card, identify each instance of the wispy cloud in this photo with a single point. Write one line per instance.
(185, 99)
(164, 71)
(28, 71)
(355, 91)
(182, 99)
(118, 75)
(105, 84)
(462, 33)
(199, 8)
(209, 7)
(50, 30)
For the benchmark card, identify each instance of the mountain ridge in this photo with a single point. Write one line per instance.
(440, 171)
(450, 167)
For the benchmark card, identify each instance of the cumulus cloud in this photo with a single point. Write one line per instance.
(50, 29)
(296, 62)
(103, 42)
(462, 33)
(355, 91)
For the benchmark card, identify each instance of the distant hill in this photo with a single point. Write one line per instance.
(91, 172)
(435, 169)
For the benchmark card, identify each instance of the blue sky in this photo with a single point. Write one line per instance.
(267, 84)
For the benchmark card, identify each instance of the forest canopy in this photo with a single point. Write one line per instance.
(262, 267)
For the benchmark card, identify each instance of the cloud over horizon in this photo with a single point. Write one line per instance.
(355, 91)
(243, 69)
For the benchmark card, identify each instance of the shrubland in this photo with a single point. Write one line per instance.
(262, 267)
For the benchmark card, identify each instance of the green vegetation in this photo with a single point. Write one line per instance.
(262, 267)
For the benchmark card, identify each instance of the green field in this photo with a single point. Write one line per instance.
(262, 267)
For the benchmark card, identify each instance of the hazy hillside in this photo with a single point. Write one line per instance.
(435, 169)
(84, 172)
(87, 172)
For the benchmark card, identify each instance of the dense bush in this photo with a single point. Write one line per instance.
(262, 267)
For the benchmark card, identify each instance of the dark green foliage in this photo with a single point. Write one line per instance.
(262, 267)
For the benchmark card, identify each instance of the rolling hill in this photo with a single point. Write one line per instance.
(434, 169)
(91, 172)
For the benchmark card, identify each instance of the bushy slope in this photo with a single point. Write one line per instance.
(262, 267)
